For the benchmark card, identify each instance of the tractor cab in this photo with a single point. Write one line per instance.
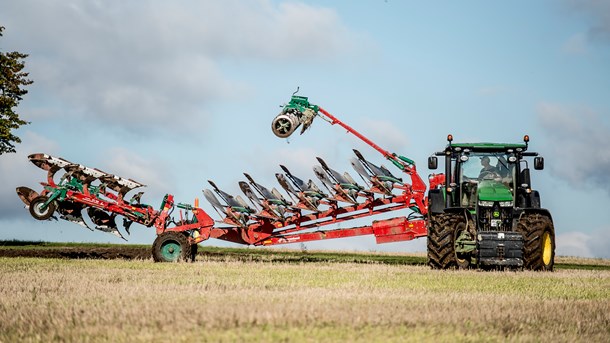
(485, 175)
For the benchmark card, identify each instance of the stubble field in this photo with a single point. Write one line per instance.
(228, 298)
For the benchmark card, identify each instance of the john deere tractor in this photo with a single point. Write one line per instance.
(483, 211)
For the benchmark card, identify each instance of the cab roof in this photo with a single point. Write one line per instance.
(488, 146)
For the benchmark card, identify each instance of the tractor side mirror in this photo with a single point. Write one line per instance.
(539, 163)
(432, 162)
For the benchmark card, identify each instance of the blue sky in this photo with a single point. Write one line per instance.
(175, 93)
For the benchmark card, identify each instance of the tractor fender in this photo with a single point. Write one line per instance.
(468, 218)
(436, 201)
(520, 212)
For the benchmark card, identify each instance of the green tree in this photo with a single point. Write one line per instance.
(12, 81)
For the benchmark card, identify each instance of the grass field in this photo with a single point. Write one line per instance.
(260, 254)
(226, 298)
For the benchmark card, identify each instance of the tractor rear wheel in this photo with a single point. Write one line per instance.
(37, 211)
(443, 230)
(539, 241)
(173, 247)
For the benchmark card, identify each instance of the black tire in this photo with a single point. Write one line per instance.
(173, 247)
(538, 241)
(194, 252)
(42, 214)
(442, 232)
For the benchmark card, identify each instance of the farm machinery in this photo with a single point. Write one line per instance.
(487, 218)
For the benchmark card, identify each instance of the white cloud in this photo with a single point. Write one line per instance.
(140, 65)
(298, 161)
(150, 172)
(600, 10)
(600, 241)
(577, 139)
(573, 244)
(597, 13)
(388, 135)
(582, 244)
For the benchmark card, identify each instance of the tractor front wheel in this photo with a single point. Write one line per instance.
(39, 211)
(539, 241)
(443, 231)
(173, 247)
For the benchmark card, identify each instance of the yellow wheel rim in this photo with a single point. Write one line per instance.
(547, 248)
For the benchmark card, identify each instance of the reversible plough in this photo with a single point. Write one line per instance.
(267, 218)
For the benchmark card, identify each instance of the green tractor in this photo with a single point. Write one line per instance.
(483, 212)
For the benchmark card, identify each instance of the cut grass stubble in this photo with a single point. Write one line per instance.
(79, 300)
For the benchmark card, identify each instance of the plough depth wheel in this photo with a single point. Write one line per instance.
(39, 211)
(173, 247)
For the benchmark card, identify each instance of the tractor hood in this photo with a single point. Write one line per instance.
(491, 190)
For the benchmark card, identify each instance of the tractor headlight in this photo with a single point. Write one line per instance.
(506, 204)
(483, 203)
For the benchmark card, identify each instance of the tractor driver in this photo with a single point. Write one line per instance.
(487, 168)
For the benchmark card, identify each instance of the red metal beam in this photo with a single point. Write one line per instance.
(418, 187)
(385, 231)
(339, 214)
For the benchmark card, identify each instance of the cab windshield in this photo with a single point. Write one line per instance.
(481, 166)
